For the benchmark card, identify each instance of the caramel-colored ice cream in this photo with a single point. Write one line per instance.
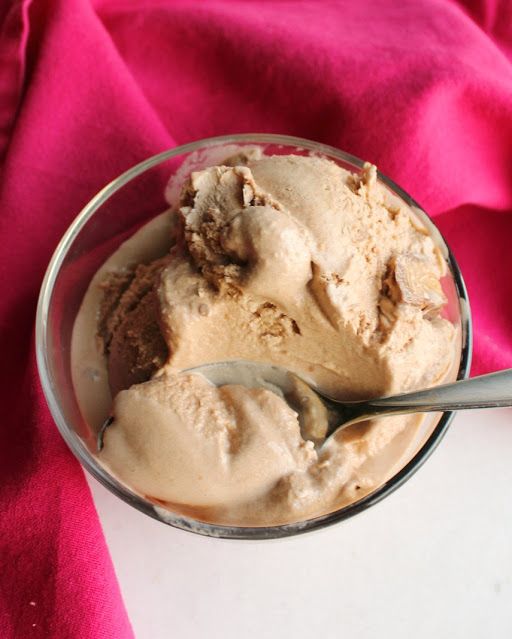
(289, 260)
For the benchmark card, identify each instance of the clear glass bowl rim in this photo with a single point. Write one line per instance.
(81, 452)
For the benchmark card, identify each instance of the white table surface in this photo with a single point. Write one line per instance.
(434, 559)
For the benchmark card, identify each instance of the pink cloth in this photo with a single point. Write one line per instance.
(422, 88)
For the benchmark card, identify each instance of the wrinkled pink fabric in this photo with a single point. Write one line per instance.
(422, 88)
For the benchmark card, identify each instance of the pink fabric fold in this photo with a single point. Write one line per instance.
(422, 88)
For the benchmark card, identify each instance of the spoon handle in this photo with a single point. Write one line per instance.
(486, 391)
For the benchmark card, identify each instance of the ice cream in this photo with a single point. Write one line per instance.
(283, 259)
(213, 445)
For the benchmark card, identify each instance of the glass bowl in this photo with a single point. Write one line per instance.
(112, 216)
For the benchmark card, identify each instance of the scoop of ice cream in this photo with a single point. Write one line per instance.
(232, 454)
(292, 259)
(179, 439)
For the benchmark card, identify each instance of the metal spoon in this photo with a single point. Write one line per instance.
(322, 416)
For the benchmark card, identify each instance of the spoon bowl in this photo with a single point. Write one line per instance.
(321, 416)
